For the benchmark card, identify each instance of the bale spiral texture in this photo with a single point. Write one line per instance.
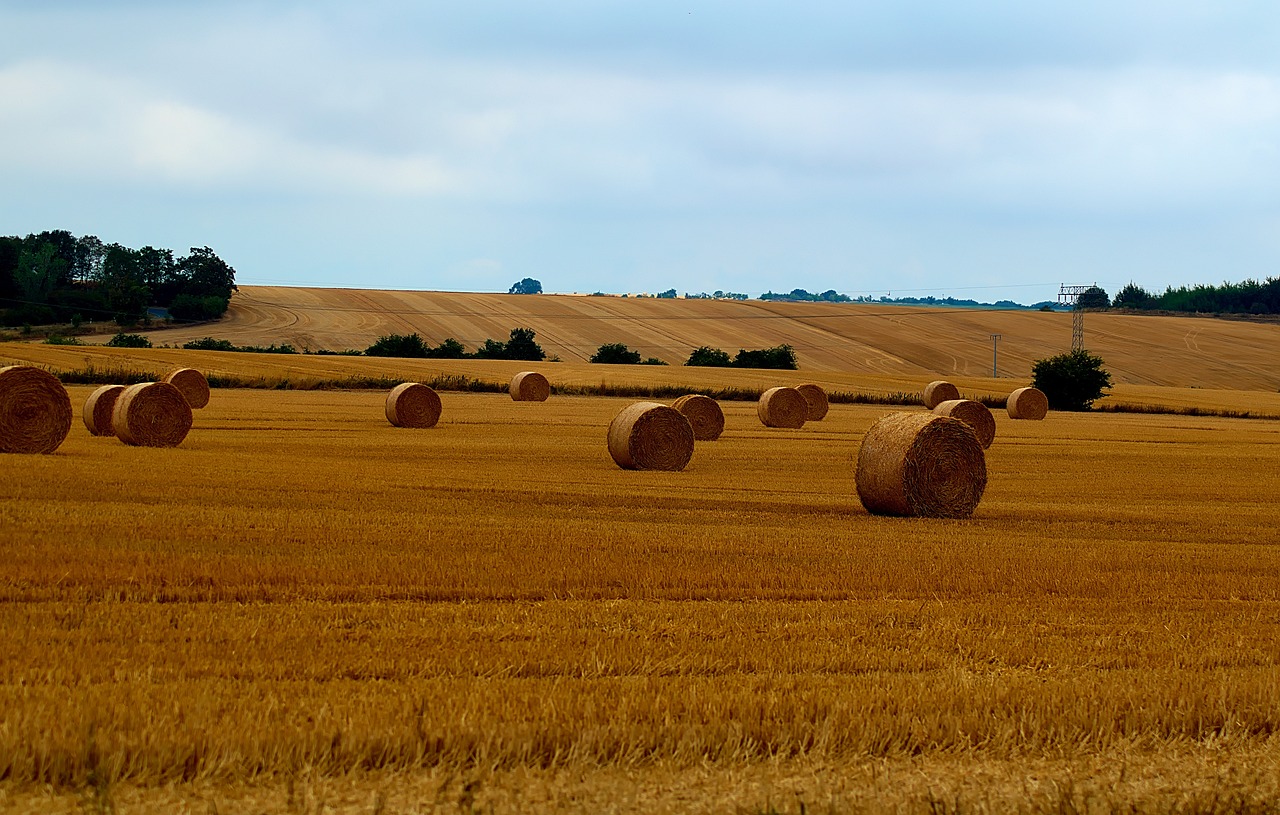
(35, 410)
(530, 386)
(151, 414)
(191, 384)
(1027, 403)
(98, 410)
(783, 407)
(703, 413)
(650, 436)
(921, 464)
(817, 399)
(935, 393)
(974, 414)
(411, 404)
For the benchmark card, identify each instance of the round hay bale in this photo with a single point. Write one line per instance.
(151, 414)
(703, 413)
(411, 404)
(98, 409)
(922, 465)
(817, 399)
(530, 386)
(1027, 403)
(35, 410)
(783, 407)
(191, 384)
(650, 436)
(935, 393)
(974, 414)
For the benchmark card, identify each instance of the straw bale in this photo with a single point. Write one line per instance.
(530, 386)
(974, 414)
(1027, 403)
(703, 413)
(411, 404)
(98, 409)
(921, 464)
(783, 407)
(817, 399)
(650, 436)
(35, 410)
(191, 384)
(937, 392)
(151, 414)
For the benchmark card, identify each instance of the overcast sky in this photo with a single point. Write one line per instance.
(977, 149)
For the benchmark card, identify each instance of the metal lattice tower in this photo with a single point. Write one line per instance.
(1070, 295)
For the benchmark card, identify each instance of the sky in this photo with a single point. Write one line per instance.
(983, 150)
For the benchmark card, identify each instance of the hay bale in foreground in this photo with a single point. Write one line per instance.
(783, 407)
(412, 404)
(650, 436)
(704, 415)
(921, 464)
(939, 391)
(974, 414)
(817, 399)
(191, 384)
(98, 410)
(35, 410)
(530, 386)
(151, 414)
(1027, 403)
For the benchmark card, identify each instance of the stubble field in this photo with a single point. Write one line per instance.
(303, 608)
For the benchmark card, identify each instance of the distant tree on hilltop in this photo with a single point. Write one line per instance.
(526, 286)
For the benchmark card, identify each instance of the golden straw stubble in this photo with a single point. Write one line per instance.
(939, 391)
(922, 465)
(99, 408)
(1027, 403)
(817, 399)
(35, 410)
(530, 386)
(412, 404)
(191, 384)
(151, 414)
(783, 407)
(975, 414)
(703, 413)
(650, 436)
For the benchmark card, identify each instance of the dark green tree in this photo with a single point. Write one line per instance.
(1094, 297)
(526, 286)
(705, 357)
(616, 353)
(449, 348)
(1071, 381)
(669, 294)
(38, 272)
(398, 345)
(122, 284)
(1133, 296)
(522, 346)
(781, 357)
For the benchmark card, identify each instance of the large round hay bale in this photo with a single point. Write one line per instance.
(151, 414)
(783, 407)
(35, 410)
(921, 464)
(975, 414)
(98, 410)
(1027, 403)
(650, 436)
(191, 384)
(530, 386)
(935, 393)
(703, 413)
(411, 404)
(817, 399)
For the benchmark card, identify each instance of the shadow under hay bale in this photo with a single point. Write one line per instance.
(703, 413)
(939, 391)
(817, 399)
(650, 436)
(530, 386)
(99, 408)
(412, 404)
(1027, 403)
(975, 414)
(191, 384)
(35, 410)
(783, 407)
(921, 465)
(151, 414)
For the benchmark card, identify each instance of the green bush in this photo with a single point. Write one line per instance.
(193, 308)
(782, 357)
(704, 357)
(209, 344)
(1071, 381)
(615, 353)
(123, 340)
(58, 339)
(409, 346)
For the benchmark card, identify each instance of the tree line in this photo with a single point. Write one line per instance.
(1248, 297)
(54, 277)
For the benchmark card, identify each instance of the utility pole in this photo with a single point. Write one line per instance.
(1070, 295)
(995, 357)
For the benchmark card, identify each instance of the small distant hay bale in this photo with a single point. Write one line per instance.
(817, 399)
(974, 414)
(921, 465)
(1027, 403)
(783, 407)
(151, 414)
(191, 384)
(530, 386)
(651, 436)
(703, 413)
(35, 410)
(935, 393)
(412, 404)
(98, 410)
